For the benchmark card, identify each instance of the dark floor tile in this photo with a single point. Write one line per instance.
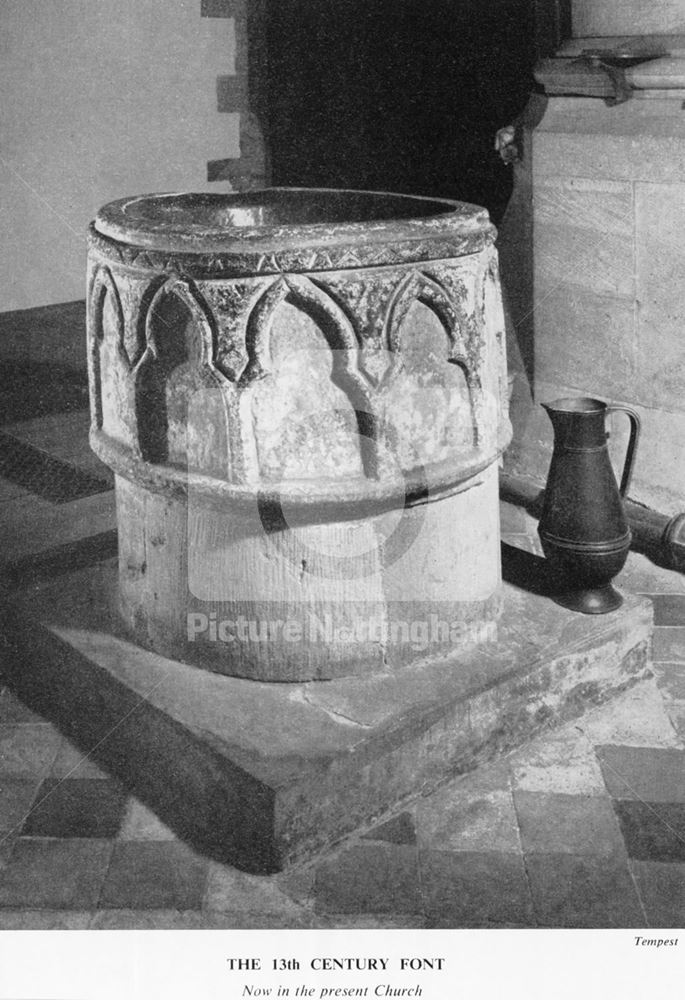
(475, 889)
(154, 875)
(653, 831)
(44, 475)
(54, 874)
(369, 879)
(668, 644)
(652, 774)
(34, 389)
(583, 891)
(76, 807)
(398, 830)
(13, 710)
(662, 889)
(16, 796)
(569, 824)
(669, 609)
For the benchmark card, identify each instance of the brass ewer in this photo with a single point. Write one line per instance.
(583, 527)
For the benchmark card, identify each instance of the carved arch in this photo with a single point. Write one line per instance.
(338, 333)
(188, 294)
(312, 299)
(422, 288)
(165, 351)
(102, 285)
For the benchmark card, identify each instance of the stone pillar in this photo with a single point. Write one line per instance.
(605, 221)
(627, 17)
(303, 397)
(243, 93)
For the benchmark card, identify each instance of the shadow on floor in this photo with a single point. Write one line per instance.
(527, 571)
(214, 806)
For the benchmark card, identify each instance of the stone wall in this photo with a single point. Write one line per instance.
(601, 208)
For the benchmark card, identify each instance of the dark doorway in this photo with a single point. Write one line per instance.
(402, 95)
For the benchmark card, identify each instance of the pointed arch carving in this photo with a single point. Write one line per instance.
(300, 291)
(338, 333)
(420, 287)
(199, 310)
(141, 315)
(102, 287)
(167, 348)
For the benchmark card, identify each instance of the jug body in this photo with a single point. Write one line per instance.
(583, 527)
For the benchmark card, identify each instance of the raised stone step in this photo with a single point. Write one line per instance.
(262, 774)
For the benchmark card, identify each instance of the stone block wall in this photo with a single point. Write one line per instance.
(608, 299)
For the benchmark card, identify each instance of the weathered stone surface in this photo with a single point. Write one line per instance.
(565, 762)
(638, 718)
(469, 815)
(585, 340)
(303, 394)
(596, 331)
(260, 774)
(660, 243)
(583, 235)
(636, 141)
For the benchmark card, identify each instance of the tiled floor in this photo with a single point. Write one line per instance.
(582, 828)
(585, 827)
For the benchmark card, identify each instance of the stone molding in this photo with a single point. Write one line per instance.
(137, 348)
(570, 72)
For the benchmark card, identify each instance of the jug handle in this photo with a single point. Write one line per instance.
(629, 462)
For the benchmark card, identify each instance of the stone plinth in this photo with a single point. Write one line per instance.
(260, 775)
(627, 17)
(303, 397)
(605, 226)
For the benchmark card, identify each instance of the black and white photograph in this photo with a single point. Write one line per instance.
(342, 498)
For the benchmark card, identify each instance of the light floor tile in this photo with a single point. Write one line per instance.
(636, 718)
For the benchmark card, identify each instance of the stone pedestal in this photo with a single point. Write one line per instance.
(261, 775)
(600, 208)
(303, 397)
